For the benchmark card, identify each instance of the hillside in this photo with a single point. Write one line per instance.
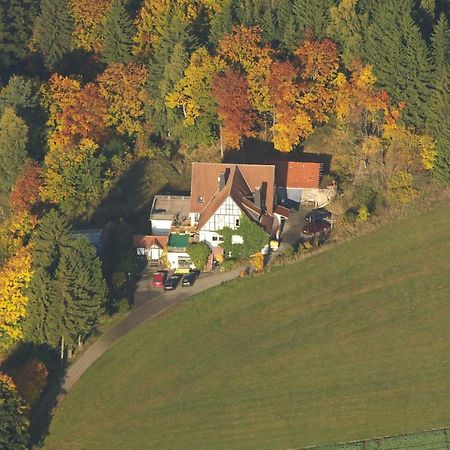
(351, 343)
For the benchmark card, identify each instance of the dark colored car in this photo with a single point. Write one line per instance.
(189, 279)
(172, 283)
(159, 278)
(318, 215)
(316, 228)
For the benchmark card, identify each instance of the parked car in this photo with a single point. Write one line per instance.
(190, 278)
(318, 215)
(316, 228)
(172, 282)
(159, 278)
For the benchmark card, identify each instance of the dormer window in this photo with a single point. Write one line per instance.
(200, 199)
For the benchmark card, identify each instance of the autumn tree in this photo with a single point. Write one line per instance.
(89, 16)
(13, 147)
(13, 417)
(234, 108)
(73, 178)
(76, 112)
(53, 31)
(15, 276)
(193, 93)
(150, 26)
(24, 195)
(117, 34)
(291, 122)
(244, 48)
(123, 88)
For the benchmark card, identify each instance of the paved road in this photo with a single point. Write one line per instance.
(149, 303)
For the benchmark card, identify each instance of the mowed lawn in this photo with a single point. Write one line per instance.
(348, 344)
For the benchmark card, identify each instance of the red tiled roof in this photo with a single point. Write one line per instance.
(142, 241)
(238, 189)
(204, 181)
(293, 174)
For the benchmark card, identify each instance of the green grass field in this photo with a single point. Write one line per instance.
(349, 344)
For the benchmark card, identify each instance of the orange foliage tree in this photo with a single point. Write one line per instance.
(291, 122)
(233, 107)
(25, 192)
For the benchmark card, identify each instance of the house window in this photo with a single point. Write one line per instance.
(200, 199)
(214, 238)
(220, 239)
(238, 222)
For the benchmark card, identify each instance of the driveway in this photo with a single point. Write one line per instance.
(149, 303)
(290, 235)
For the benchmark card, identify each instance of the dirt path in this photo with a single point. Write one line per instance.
(149, 303)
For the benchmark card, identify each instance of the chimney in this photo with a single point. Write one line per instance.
(257, 200)
(222, 179)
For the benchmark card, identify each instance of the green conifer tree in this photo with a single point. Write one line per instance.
(290, 38)
(347, 27)
(244, 12)
(284, 14)
(268, 26)
(439, 116)
(222, 23)
(400, 57)
(117, 34)
(67, 290)
(13, 147)
(16, 27)
(313, 15)
(166, 68)
(53, 30)
(81, 289)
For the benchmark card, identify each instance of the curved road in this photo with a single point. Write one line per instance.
(149, 303)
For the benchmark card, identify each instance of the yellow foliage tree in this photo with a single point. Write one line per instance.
(15, 276)
(193, 93)
(428, 151)
(123, 87)
(89, 16)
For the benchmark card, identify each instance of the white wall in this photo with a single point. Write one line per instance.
(212, 238)
(225, 216)
(172, 257)
(161, 227)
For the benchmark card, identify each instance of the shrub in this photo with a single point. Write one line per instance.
(400, 188)
(363, 214)
(257, 262)
(30, 380)
(199, 254)
(253, 236)
(229, 264)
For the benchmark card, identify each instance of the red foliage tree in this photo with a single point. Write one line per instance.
(233, 107)
(25, 192)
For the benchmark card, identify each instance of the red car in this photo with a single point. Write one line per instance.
(159, 278)
(316, 228)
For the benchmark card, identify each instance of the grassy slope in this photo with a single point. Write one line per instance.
(351, 343)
